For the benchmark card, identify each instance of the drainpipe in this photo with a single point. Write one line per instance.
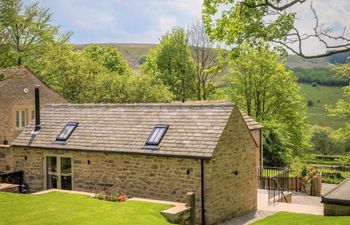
(202, 192)
(261, 152)
(37, 108)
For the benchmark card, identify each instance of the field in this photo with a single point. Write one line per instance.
(322, 95)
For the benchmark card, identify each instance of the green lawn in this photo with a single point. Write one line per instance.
(62, 208)
(321, 96)
(285, 218)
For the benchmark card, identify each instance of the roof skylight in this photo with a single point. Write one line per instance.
(157, 135)
(67, 131)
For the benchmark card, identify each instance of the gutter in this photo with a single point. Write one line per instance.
(202, 192)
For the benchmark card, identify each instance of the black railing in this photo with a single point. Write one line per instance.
(275, 180)
(14, 178)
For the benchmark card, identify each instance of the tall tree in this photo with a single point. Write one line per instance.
(172, 63)
(236, 21)
(206, 58)
(262, 87)
(25, 30)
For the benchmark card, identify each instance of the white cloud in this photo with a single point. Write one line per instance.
(166, 23)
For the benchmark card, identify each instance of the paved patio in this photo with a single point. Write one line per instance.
(301, 203)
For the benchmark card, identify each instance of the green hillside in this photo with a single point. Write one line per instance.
(297, 61)
(133, 52)
(322, 95)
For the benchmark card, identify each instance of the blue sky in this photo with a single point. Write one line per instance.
(144, 21)
(121, 21)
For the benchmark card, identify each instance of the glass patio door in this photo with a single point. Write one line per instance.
(58, 172)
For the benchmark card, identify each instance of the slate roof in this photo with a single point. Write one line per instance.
(194, 129)
(339, 195)
(7, 74)
(251, 123)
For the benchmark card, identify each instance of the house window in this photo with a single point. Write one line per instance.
(66, 131)
(156, 136)
(33, 114)
(21, 119)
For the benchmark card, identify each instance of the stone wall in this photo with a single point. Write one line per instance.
(6, 160)
(13, 98)
(259, 154)
(162, 178)
(230, 177)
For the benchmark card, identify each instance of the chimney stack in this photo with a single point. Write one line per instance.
(37, 108)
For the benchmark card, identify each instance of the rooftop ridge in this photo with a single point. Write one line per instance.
(95, 105)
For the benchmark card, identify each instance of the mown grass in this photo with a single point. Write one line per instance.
(70, 209)
(286, 218)
(322, 95)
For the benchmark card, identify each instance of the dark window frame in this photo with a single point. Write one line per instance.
(63, 140)
(152, 144)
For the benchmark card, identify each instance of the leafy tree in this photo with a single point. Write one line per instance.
(323, 141)
(325, 76)
(109, 57)
(262, 87)
(172, 63)
(342, 108)
(206, 58)
(133, 89)
(25, 32)
(70, 73)
(272, 21)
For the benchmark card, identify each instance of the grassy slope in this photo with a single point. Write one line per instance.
(302, 219)
(296, 61)
(62, 208)
(326, 95)
(133, 52)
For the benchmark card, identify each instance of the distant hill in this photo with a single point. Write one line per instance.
(134, 51)
(294, 61)
(131, 52)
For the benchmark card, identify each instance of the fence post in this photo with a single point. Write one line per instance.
(191, 202)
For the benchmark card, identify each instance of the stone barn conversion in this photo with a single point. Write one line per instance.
(157, 151)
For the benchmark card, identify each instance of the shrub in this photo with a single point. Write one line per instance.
(310, 103)
(314, 84)
(109, 196)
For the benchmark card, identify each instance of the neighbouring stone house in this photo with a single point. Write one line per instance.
(17, 100)
(158, 151)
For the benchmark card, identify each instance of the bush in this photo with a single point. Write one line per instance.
(310, 103)
(314, 84)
